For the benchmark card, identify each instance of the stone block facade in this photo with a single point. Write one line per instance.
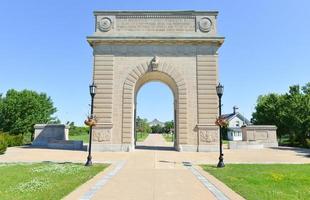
(178, 48)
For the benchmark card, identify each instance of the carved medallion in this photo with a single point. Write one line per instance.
(205, 24)
(105, 24)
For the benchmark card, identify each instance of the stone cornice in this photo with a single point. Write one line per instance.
(161, 12)
(106, 40)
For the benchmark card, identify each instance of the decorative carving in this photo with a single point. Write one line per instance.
(207, 136)
(154, 63)
(101, 135)
(105, 24)
(155, 23)
(205, 24)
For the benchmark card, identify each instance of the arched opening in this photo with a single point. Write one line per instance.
(135, 80)
(155, 112)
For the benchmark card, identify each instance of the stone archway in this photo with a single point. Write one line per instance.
(178, 48)
(160, 72)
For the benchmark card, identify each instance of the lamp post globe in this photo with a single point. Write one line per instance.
(219, 92)
(92, 91)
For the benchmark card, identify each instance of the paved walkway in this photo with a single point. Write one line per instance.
(155, 141)
(154, 174)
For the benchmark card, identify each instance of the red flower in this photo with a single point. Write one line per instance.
(221, 122)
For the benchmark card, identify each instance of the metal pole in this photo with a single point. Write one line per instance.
(89, 157)
(221, 159)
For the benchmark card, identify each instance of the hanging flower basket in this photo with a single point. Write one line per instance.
(221, 122)
(90, 122)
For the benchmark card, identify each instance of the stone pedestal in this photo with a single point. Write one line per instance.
(263, 134)
(43, 133)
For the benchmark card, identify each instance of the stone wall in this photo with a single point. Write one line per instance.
(55, 136)
(263, 134)
(43, 133)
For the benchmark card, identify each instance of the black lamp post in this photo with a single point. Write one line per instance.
(219, 91)
(92, 91)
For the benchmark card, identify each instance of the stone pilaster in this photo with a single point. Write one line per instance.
(103, 77)
(207, 103)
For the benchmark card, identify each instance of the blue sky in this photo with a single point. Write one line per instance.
(43, 47)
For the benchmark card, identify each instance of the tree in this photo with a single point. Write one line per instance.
(168, 126)
(142, 125)
(21, 110)
(157, 129)
(290, 112)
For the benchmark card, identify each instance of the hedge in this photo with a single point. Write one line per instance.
(3, 144)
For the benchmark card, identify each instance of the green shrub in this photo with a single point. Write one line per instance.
(308, 143)
(27, 138)
(76, 130)
(3, 144)
(14, 140)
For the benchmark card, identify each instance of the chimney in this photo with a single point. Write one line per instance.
(235, 108)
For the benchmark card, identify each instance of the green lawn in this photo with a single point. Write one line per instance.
(84, 137)
(225, 141)
(141, 136)
(43, 180)
(168, 137)
(265, 181)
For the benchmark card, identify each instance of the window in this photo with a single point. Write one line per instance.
(237, 123)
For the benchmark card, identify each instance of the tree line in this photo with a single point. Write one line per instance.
(290, 112)
(143, 126)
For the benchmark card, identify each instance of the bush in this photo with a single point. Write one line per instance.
(308, 143)
(12, 140)
(76, 130)
(3, 144)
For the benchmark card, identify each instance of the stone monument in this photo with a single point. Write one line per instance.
(178, 48)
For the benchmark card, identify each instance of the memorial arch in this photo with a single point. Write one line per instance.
(178, 48)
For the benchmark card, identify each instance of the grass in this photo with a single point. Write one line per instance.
(265, 181)
(43, 180)
(225, 141)
(168, 137)
(141, 136)
(84, 137)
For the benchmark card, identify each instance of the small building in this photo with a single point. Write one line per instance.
(156, 122)
(235, 122)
